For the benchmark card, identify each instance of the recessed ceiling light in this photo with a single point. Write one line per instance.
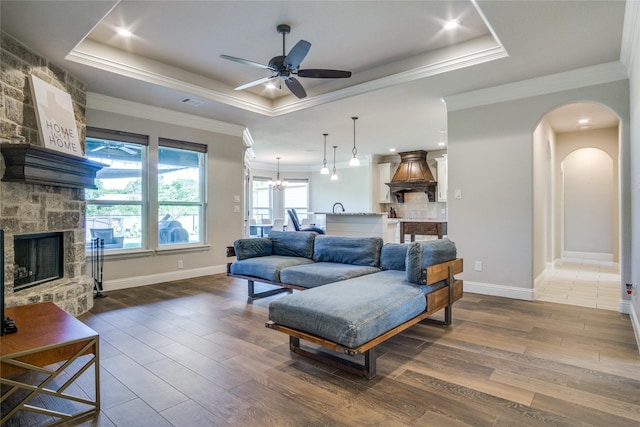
(392, 150)
(451, 25)
(271, 86)
(583, 121)
(441, 144)
(124, 32)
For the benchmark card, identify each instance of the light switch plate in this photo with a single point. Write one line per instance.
(236, 208)
(236, 198)
(458, 194)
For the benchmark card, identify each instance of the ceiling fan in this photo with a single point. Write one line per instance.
(285, 67)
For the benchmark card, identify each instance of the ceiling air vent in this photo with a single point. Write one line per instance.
(192, 101)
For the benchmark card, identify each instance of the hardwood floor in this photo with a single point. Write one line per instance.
(195, 353)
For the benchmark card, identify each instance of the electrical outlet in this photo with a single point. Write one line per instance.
(478, 266)
(180, 264)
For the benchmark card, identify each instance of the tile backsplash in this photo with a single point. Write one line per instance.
(417, 206)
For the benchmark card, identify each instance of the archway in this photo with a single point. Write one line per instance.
(577, 205)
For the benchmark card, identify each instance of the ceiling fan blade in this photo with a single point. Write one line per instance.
(247, 62)
(255, 83)
(324, 74)
(296, 55)
(295, 87)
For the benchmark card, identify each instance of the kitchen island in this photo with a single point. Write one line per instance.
(359, 224)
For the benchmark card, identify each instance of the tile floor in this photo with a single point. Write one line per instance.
(583, 283)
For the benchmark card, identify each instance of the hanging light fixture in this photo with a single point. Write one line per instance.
(334, 176)
(354, 161)
(278, 184)
(325, 169)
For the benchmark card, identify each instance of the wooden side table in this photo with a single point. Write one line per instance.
(429, 228)
(48, 335)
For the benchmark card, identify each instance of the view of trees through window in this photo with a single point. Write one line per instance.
(118, 210)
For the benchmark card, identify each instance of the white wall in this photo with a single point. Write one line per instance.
(225, 171)
(590, 187)
(491, 162)
(632, 18)
(543, 141)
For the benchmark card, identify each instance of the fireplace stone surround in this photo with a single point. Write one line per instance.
(28, 207)
(32, 208)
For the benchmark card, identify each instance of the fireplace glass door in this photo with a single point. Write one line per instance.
(38, 258)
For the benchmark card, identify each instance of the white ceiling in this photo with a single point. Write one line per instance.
(402, 60)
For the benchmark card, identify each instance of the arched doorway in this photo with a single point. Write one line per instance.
(576, 205)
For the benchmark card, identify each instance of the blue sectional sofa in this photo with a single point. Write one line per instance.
(358, 292)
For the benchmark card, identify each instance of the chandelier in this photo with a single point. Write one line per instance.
(278, 184)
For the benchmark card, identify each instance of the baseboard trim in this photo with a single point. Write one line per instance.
(587, 256)
(151, 279)
(635, 322)
(513, 292)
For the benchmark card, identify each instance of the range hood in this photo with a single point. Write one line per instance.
(413, 174)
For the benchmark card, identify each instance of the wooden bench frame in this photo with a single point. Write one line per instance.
(436, 301)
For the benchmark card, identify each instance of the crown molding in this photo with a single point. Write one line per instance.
(110, 104)
(95, 55)
(162, 79)
(574, 79)
(630, 36)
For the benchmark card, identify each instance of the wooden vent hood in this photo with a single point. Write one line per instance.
(32, 164)
(413, 174)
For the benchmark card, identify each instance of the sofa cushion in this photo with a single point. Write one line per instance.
(293, 243)
(266, 267)
(321, 273)
(421, 255)
(251, 248)
(348, 250)
(393, 256)
(351, 312)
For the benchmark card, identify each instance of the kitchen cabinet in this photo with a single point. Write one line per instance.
(384, 176)
(442, 178)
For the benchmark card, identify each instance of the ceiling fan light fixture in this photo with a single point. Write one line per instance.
(325, 169)
(354, 161)
(278, 184)
(334, 176)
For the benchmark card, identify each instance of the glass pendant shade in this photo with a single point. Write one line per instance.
(334, 176)
(325, 169)
(354, 161)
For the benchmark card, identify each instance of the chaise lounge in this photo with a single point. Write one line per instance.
(358, 294)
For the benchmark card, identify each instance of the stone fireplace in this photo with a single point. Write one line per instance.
(30, 209)
(45, 193)
(41, 194)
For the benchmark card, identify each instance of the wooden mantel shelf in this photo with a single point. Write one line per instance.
(33, 164)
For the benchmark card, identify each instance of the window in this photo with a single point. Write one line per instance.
(115, 208)
(127, 200)
(181, 192)
(296, 196)
(261, 201)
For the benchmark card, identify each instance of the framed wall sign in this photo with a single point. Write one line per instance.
(56, 121)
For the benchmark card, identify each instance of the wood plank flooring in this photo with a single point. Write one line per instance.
(195, 353)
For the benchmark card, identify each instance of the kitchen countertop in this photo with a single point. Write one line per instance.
(351, 213)
(420, 220)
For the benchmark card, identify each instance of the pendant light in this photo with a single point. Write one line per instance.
(278, 184)
(334, 177)
(325, 169)
(354, 161)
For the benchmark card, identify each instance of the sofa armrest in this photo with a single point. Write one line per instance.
(251, 248)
